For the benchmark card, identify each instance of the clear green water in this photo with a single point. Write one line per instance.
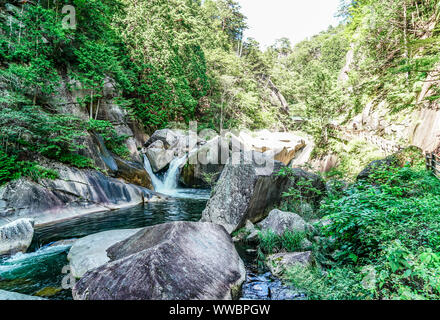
(39, 272)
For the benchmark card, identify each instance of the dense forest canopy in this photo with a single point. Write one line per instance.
(182, 60)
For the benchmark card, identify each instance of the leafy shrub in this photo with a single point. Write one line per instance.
(302, 197)
(113, 141)
(391, 226)
(77, 160)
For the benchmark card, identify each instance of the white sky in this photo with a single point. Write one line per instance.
(269, 20)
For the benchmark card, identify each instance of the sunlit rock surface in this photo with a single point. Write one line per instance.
(90, 252)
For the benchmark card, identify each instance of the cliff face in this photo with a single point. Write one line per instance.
(417, 126)
(66, 101)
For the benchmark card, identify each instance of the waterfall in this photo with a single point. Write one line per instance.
(169, 184)
(172, 175)
(170, 181)
(105, 154)
(157, 183)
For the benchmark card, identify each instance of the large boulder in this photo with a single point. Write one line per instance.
(91, 252)
(172, 261)
(279, 222)
(16, 236)
(168, 137)
(245, 192)
(158, 156)
(134, 173)
(278, 263)
(283, 145)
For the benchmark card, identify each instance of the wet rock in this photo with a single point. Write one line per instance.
(90, 252)
(16, 236)
(133, 173)
(267, 287)
(280, 262)
(67, 242)
(172, 261)
(205, 165)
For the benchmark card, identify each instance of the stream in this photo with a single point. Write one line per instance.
(39, 272)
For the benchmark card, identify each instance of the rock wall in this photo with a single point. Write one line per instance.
(67, 100)
(75, 193)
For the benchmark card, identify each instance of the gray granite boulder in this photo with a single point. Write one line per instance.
(280, 262)
(172, 261)
(248, 192)
(279, 222)
(16, 236)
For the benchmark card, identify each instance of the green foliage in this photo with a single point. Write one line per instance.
(11, 169)
(113, 142)
(394, 48)
(269, 242)
(302, 197)
(354, 156)
(76, 160)
(390, 225)
(343, 283)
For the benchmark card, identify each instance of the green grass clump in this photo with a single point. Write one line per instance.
(270, 242)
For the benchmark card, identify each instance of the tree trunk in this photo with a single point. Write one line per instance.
(97, 110)
(91, 105)
(405, 37)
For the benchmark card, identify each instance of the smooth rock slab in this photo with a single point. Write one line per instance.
(172, 261)
(90, 252)
(16, 236)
